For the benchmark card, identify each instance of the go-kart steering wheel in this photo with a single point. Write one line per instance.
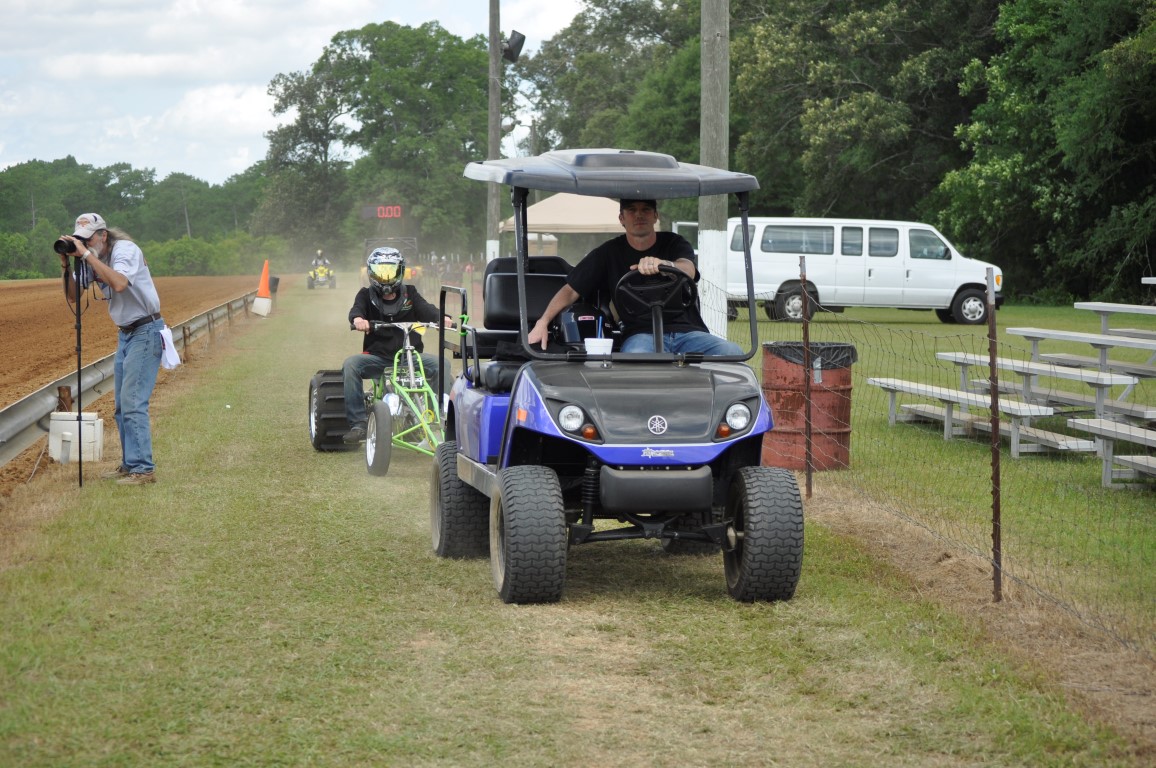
(670, 290)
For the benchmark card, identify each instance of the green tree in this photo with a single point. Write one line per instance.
(420, 99)
(1061, 187)
(305, 162)
(851, 106)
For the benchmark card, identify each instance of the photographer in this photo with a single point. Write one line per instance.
(111, 260)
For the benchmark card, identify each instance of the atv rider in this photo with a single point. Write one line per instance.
(388, 298)
(320, 260)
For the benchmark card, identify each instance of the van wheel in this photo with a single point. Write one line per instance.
(945, 316)
(789, 304)
(769, 309)
(969, 307)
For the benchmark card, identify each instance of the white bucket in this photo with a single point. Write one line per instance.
(599, 346)
(63, 437)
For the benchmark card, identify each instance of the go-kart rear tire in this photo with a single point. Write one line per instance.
(327, 422)
(459, 519)
(379, 439)
(764, 556)
(528, 535)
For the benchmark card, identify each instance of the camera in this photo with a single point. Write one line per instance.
(64, 246)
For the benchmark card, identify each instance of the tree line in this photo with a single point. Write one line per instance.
(1024, 129)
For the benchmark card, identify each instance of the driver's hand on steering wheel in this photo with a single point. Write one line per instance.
(361, 324)
(649, 265)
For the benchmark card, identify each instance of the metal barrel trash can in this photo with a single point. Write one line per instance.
(784, 386)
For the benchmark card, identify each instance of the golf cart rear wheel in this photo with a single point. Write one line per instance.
(379, 439)
(459, 514)
(327, 422)
(528, 535)
(764, 555)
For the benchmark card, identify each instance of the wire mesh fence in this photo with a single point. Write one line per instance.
(1064, 537)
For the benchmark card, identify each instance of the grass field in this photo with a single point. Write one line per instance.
(265, 604)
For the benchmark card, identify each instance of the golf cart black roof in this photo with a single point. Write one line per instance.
(615, 173)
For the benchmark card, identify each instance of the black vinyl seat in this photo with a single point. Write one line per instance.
(545, 275)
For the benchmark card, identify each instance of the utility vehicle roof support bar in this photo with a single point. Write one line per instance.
(744, 199)
(518, 197)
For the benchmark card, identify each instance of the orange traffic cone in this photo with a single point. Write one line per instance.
(264, 301)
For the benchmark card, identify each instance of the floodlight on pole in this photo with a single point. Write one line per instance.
(512, 48)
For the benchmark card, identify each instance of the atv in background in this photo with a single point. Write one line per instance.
(321, 275)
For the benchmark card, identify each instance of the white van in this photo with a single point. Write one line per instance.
(857, 263)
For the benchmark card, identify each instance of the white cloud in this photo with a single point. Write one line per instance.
(180, 85)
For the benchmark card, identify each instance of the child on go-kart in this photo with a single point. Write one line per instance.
(388, 298)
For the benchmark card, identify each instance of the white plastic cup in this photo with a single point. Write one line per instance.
(599, 346)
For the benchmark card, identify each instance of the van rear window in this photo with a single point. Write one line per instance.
(778, 238)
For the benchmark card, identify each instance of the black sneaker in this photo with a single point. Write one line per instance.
(355, 435)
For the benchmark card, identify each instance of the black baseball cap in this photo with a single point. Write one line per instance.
(625, 202)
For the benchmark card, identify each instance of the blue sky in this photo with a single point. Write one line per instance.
(180, 85)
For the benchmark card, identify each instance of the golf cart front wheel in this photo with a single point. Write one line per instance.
(764, 553)
(528, 535)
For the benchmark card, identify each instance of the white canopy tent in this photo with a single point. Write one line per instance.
(566, 213)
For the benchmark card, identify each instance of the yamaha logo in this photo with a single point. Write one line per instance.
(657, 425)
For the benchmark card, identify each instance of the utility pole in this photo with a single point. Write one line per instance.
(714, 150)
(494, 132)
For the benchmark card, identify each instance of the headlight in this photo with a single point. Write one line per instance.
(570, 418)
(738, 417)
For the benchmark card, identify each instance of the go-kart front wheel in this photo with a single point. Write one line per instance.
(379, 439)
(528, 535)
(764, 553)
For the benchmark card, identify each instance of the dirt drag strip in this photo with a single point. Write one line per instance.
(38, 337)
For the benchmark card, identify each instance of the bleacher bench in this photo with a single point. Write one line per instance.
(1017, 428)
(1135, 466)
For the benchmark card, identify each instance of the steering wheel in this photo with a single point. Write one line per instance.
(670, 290)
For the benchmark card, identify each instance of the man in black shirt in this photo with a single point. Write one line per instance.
(643, 249)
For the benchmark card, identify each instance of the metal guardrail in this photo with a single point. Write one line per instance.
(26, 421)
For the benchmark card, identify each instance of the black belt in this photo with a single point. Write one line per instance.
(138, 323)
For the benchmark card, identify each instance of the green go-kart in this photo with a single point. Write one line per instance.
(402, 410)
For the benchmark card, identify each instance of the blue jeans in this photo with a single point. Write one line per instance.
(688, 341)
(135, 367)
(359, 367)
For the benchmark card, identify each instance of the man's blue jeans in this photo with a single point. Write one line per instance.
(363, 366)
(689, 341)
(135, 367)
